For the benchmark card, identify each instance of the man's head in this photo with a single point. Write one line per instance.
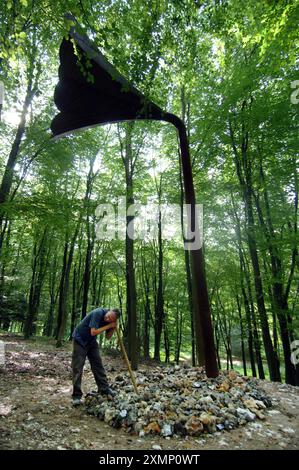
(112, 315)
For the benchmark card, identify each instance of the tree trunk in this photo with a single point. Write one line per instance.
(64, 287)
(90, 238)
(38, 274)
(147, 310)
(243, 167)
(242, 334)
(7, 179)
(279, 300)
(159, 311)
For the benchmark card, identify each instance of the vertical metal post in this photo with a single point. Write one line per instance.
(199, 285)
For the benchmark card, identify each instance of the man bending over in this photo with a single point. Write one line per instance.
(86, 345)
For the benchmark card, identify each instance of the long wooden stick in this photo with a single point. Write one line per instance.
(126, 359)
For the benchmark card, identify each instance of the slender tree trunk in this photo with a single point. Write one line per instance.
(243, 290)
(61, 287)
(242, 334)
(250, 333)
(38, 274)
(159, 312)
(74, 301)
(53, 293)
(179, 325)
(147, 311)
(90, 238)
(166, 341)
(86, 277)
(64, 287)
(243, 167)
(279, 300)
(7, 178)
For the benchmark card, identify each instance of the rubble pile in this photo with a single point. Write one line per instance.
(180, 400)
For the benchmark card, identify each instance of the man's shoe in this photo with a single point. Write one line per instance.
(92, 393)
(108, 392)
(77, 401)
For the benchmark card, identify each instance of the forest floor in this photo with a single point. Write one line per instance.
(36, 410)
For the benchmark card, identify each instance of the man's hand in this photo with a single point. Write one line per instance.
(97, 331)
(109, 333)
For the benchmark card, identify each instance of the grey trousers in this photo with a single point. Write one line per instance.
(78, 360)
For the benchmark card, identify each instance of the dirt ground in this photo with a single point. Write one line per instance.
(36, 410)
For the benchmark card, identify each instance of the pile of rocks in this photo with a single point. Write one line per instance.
(181, 401)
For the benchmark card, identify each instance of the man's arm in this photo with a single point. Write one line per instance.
(97, 331)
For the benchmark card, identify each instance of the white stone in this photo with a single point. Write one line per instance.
(197, 384)
(274, 412)
(288, 430)
(166, 430)
(222, 442)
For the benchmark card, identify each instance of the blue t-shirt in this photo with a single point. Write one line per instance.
(95, 319)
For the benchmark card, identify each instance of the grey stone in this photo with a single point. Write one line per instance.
(180, 400)
(246, 414)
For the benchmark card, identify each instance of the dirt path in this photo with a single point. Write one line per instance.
(36, 411)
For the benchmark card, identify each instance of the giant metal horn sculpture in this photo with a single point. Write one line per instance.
(91, 92)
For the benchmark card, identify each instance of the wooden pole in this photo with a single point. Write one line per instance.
(126, 360)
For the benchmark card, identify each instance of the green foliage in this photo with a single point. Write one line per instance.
(223, 66)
